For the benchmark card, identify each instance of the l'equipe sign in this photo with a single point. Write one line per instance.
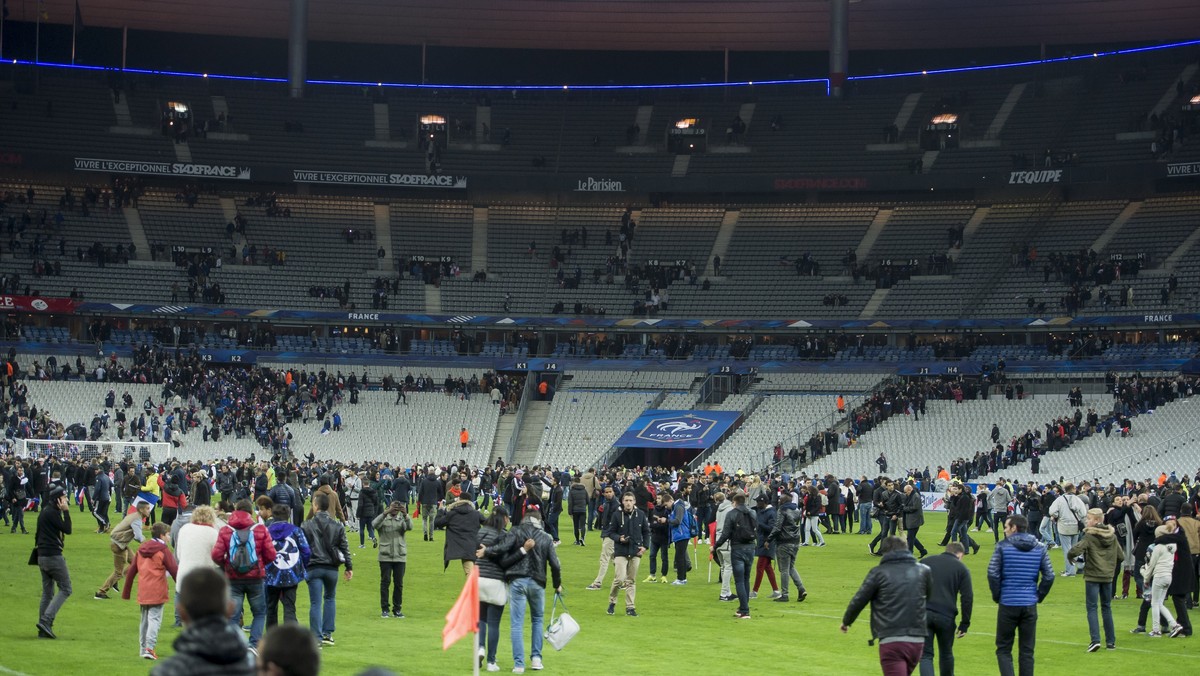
(162, 168)
(1035, 177)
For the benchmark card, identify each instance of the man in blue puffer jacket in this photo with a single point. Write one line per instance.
(1018, 562)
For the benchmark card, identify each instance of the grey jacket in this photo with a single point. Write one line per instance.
(999, 498)
(913, 511)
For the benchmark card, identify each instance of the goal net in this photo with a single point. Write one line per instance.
(137, 451)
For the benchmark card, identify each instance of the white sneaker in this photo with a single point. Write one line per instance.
(776, 594)
(492, 666)
(535, 664)
(518, 670)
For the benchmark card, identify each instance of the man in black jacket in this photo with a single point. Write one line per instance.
(524, 558)
(866, 498)
(897, 589)
(629, 531)
(429, 494)
(330, 548)
(888, 503)
(951, 584)
(54, 524)
(785, 533)
(739, 531)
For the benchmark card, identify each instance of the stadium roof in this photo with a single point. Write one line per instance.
(655, 25)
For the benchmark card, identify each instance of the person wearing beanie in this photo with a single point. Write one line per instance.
(1102, 554)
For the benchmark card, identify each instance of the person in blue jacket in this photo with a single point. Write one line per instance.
(1020, 576)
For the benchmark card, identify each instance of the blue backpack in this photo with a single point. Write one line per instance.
(690, 523)
(242, 556)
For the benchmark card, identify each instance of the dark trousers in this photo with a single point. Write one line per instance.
(681, 560)
(941, 628)
(390, 571)
(886, 527)
(276, 595)
(580, 526)
(489, 628)
(658, 550)
(911, 534)
(899, 658)
(742, 560)
(101, 513)
(1009, 621)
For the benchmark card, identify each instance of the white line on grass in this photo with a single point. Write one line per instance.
(1040, 640)
(1119, 647)
(11, 672)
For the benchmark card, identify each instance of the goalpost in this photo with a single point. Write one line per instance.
(137, 451)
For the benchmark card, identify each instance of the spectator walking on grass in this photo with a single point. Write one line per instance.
(330, 549)
(391, 526)
(53, 526)
(1020, 576)
(1102, 554)
(154, 561)
(898, 590)
(243, 549)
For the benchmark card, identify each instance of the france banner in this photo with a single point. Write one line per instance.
(677, 429)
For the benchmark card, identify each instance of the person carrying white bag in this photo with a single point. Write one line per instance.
(524, 558)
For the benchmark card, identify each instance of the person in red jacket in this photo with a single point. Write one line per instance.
(246, 584)
(152, 564)
(174, 497)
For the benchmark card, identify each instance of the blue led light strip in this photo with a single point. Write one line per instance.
(611, 87)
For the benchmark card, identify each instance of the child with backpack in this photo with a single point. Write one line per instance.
(153, 563)
(287, 570)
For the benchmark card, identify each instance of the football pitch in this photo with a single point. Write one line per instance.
(679, 627)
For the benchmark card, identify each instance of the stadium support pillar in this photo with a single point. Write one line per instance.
(298, 49)
(839, 49)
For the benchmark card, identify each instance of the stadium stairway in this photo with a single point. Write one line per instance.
(1113, 228)
(1006, 109)
(433, 299)
(877, 225)
(506, 427)
(721, 243)
(479, 239)
(529, 437)
(872, 306)
(383, 235)
(137, 233)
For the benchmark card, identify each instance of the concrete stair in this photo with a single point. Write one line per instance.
(680, 168)
(721, 243)
(383, 236)
(529, 437)
(506, 426)
(137, 232)
(433, 299)
(1006, 109)
(877, 225)
(873, 305)
(1113, 228)
(479, 239)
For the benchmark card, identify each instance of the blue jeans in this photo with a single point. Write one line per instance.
(742, 557)
(959, 533)
(865, 524)
(252, 590)
(1100, 592)
(1047, 531)
(322, 599)
(1067, 542)
(365, 527)
(522, 591)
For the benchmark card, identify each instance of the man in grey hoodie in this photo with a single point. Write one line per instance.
(998, 501)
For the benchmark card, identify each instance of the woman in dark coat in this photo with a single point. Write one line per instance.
(368, 509)
(577, 504)
(461, 522)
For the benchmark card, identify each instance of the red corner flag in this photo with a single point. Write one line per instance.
(463, 618)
